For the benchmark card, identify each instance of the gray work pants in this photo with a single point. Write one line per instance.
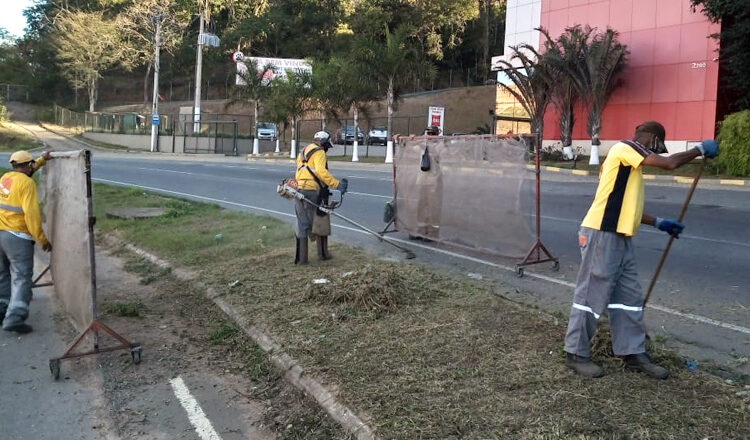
(16, 270)
(305, 213)
(607, 281)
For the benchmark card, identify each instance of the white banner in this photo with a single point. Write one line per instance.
(436, 118)
(271, 68)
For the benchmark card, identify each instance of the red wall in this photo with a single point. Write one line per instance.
(665, 39)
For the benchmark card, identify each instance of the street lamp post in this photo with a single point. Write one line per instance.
(155, 104)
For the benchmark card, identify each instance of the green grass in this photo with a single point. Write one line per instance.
(14, 139)
(362, 159)
(125, 309)
(420, 354)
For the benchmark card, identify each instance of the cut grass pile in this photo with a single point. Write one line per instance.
(421, 355)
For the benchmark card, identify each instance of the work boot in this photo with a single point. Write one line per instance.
(14, 323)
(583, 365)
(323, 249)
(300, 256)
(3, 310)
(641, 362)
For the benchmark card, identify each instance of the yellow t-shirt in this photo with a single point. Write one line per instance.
(618, 204)
(318, 164)
(19, 206)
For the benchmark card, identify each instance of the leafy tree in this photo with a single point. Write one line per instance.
(595, 77)
(561, 56)
(255, 89)
(87, 45)
(735, 37)
(393, 63)
(139, 23)
(290, 99)
(529, 82)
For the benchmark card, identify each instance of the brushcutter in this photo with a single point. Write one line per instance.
(288, 189)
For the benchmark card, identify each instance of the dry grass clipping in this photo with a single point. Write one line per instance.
(382, 288)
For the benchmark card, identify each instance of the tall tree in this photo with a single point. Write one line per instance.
(735, 42)
(561, 56)
(290, 99)
(139, 24)
(254, 88)
(87, 45)
(529, 81)
(596, 76)
(394, 63)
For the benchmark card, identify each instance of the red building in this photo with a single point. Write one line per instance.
(672, 73)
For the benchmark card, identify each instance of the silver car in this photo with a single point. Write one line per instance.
(267, 131)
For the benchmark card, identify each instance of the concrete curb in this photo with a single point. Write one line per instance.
(674, 179)
(292, 370)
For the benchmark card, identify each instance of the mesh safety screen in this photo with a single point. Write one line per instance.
(478, 192)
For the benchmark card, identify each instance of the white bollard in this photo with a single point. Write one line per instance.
(355, 151)
(293, 153)
(568, 153)
(594, 160)
(256, 147)
(277, 150)
(389, 152)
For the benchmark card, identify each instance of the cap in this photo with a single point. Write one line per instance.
(652, 127)
(19, 157)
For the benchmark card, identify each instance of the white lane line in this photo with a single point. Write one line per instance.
(195, 413)
(369, 195)
(661, 308)
(163, 170)
(369, 178)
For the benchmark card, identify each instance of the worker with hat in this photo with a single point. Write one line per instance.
(20, 227)
(608, 276)
(313, 181)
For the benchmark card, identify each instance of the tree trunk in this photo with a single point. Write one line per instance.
(484, 8)
(389, 102)
(93, 83)
(256, 110)
(145, 83)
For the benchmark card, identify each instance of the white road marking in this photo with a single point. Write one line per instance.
(163, 170)
(664, 309)
(370, 178)
(369, 195)
(195, 413)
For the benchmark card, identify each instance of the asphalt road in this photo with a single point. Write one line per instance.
(702, 301)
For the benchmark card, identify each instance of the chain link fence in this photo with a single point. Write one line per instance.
(14, 92)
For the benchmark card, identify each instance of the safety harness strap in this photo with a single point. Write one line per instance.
(11, 208)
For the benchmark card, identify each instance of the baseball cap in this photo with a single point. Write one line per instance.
(19, 157)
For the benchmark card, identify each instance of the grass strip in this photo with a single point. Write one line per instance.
(13, 138)
(419, 354)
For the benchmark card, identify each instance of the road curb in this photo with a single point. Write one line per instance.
(675, 179)
(292, 371)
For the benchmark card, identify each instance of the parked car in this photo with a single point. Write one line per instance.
(345, 135)
(377, 135)
(267, 131)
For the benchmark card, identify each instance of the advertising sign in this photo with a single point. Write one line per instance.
(271, 68)
(436, 118)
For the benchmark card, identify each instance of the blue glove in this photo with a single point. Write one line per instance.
(671, 227)
(343, 186)
(709, 148)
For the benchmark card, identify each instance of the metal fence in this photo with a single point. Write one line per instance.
(210, 137)
(14, 92)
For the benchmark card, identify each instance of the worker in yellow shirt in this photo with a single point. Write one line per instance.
(313, 181)
(20, 227)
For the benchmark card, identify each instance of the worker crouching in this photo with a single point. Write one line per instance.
(313, 180)
(20, 227)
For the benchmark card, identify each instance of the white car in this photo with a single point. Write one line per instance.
(377, 135)
(267, 131)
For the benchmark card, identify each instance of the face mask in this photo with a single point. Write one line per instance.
(658, 146)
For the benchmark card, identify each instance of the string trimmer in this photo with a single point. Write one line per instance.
(288, 191)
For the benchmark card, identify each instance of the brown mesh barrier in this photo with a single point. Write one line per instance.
(477, 194)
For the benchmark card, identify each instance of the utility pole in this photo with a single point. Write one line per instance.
(198, 70)
(155, 104)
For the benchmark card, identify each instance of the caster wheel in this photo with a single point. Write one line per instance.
(54, 368)
(556, 266)
(135, 353)
(519, 272)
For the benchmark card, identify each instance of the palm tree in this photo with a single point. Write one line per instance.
(393, 63)
(561, 56)
(254, 88)
(290, 99)
(595, 77)
(530, 83)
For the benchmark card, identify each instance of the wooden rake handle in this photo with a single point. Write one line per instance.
(671, 238)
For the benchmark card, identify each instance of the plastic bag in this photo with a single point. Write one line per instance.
(425, 164)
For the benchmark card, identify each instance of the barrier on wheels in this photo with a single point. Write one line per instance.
(70, 222)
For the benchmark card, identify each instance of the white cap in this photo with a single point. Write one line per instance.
(321, 136)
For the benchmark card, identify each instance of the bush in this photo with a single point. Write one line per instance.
(734, 137)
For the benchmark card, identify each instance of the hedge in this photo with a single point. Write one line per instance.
(734, 138)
